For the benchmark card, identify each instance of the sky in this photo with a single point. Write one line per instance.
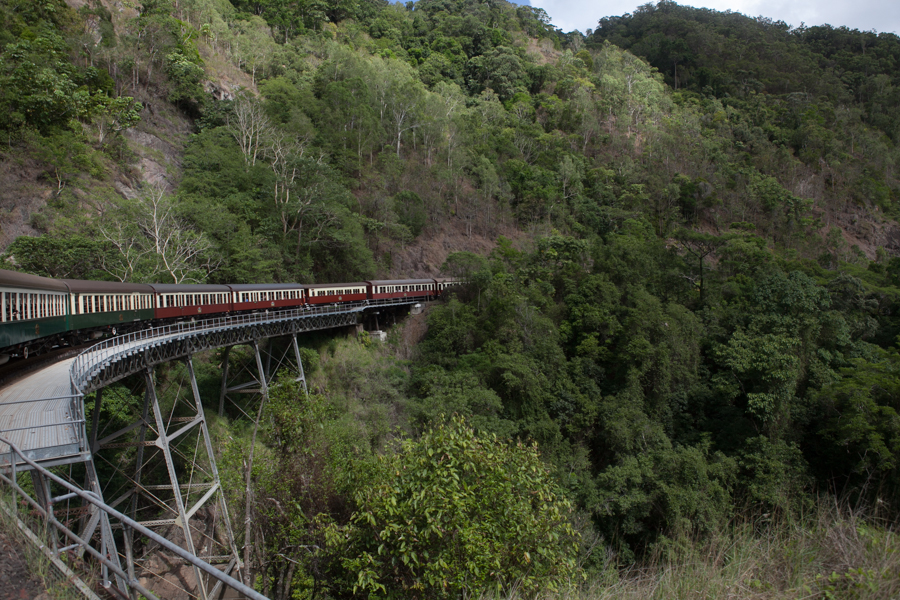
(880, 15)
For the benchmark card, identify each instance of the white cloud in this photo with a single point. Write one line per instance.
(880, 15)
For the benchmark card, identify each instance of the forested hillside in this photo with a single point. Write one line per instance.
(679, 234)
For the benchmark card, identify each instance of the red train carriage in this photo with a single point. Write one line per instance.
(402, 288)
(267, 296)
(445, 284)
(329, 293)
(175, 301)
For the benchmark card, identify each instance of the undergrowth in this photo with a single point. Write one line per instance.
(39, 566)
(837, 552)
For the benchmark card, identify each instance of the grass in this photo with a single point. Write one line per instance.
(836, 553)
(39, 565)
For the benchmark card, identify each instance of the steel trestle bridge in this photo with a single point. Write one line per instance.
(43, 426)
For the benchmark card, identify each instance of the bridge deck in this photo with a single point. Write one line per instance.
(36, 414)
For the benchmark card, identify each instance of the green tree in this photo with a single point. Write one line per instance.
(456, 514)
(862, 423)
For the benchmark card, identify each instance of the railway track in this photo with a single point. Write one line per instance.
(17, 368)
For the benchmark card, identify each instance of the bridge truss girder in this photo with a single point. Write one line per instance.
(208, 340)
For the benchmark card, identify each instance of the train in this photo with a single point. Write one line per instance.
(41, 313)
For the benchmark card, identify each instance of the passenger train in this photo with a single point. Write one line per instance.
(39, 313)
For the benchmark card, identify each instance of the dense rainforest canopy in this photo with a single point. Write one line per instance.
(687, 293)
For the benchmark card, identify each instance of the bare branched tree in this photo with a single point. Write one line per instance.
(177, 248)
(250, 127)
(153, 242)
(131, 251)
(286, 153)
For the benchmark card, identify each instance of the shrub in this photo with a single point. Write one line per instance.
(458, 514)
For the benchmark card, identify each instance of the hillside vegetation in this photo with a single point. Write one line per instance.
(682, 318)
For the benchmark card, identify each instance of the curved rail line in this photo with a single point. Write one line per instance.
(43, 413)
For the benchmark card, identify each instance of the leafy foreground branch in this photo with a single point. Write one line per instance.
(455, 514)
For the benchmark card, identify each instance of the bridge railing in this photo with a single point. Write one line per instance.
(46, 512)
(100, 354)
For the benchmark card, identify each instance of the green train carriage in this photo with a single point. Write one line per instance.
(33, 313)
(97, 306)
(38, 313)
